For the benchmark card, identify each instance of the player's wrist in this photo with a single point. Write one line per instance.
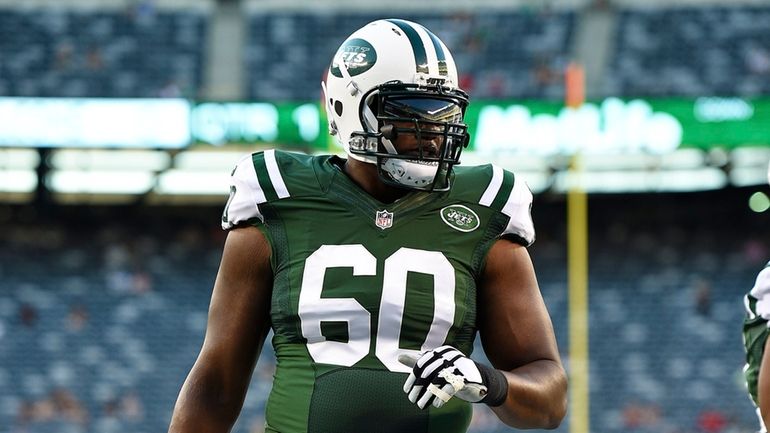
(496, 383)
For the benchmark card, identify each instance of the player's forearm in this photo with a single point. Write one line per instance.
(205, 406)
(537, 396)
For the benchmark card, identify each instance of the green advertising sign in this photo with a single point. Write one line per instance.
(655, 126)
(616, 126)
(609, 126)
(728, 122)
(219, 123)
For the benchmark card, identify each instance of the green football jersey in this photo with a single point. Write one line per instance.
(755, 328)
(358, 282)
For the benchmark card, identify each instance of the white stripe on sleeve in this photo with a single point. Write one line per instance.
(494, 186)
(275, 174)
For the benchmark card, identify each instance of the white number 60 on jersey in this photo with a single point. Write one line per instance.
(313, 309)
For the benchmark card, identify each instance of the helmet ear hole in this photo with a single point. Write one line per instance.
(338, 107)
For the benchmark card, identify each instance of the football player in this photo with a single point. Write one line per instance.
(376, 271)
(755, 341)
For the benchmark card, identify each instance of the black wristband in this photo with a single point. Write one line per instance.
(496, 383)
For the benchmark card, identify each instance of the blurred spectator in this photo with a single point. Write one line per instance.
(703, 297)
(94, 59)
(68, 406)
(642, 417)
(755, 252)
(124, 271)
(25, 415)
(757, 59)
(28, 315)
(711, 421)
(466, 82)
(119, 281)
(544, 74)
(59, 408)
(123, 281)
(64, 55)
(496, 85)
(77, 318)
(116, 255)
(142, 282)
(459, 28)
(170, 90)
(127, 407)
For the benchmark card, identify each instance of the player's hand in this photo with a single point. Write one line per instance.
(439, 374)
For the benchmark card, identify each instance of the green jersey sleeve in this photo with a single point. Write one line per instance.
(255, 180)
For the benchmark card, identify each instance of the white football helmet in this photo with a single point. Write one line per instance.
(394, 77)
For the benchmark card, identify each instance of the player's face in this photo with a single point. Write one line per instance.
(421, 124)
(425, 141)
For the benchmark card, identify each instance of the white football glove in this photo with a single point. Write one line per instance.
(439, 374)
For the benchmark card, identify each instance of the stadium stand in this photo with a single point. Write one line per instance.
(101, 321)
(136, 52)
(691, 51)
(147, 52)
(503, 54)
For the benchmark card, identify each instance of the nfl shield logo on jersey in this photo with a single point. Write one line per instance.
(384, 219)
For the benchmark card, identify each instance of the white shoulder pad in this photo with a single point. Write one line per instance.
(761, 291)
(245, 195)
(519, 209)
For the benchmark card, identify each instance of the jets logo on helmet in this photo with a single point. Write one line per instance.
(394, 78)
(357, 54)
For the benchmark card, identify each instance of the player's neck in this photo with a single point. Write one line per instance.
(365, 176)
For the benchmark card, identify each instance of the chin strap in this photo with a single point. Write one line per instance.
(389, 146)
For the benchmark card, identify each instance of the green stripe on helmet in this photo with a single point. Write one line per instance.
(420, 56)
(442, 67)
